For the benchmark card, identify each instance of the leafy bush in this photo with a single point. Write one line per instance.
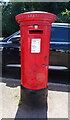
(64, 17)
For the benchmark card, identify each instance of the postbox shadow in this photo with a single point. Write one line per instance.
(33, 105)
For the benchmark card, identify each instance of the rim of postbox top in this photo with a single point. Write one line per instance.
(35, 15)
(36, 12)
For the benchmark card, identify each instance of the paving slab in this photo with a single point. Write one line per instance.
(57, 102)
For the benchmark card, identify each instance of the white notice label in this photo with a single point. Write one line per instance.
(35, 45)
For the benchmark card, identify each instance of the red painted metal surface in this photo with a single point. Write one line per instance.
(35, 44)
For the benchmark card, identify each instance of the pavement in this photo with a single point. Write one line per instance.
(55, 105)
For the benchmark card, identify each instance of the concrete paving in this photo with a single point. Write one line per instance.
(57, 102)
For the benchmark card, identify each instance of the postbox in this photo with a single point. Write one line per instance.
(35, 44)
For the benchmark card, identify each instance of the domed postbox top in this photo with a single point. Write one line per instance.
(35, 16)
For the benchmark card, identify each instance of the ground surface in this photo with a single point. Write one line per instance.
(56, 105)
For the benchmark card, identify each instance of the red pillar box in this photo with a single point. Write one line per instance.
(35, 43)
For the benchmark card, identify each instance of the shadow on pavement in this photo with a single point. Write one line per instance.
(33, 105)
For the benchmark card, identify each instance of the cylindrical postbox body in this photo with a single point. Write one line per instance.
(35, 44)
